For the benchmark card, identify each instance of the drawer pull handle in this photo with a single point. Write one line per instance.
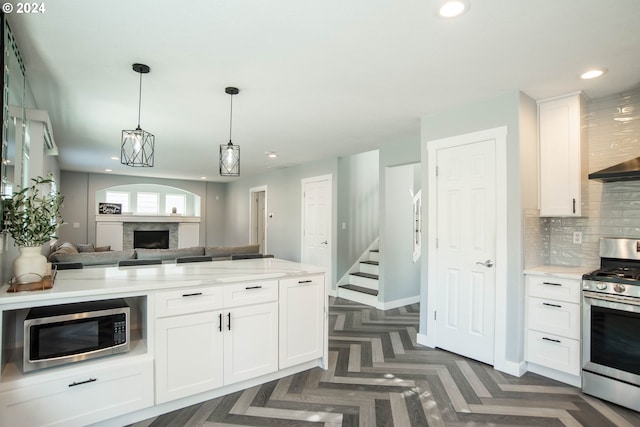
(551, 284)
(254, 287)
(551, 305)
(195, 294)
(305, 281)
(90, 380)
(550, 339)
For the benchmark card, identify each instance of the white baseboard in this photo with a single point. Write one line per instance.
(422, 339)
(563, 377)
(517, 369)
(398, 303)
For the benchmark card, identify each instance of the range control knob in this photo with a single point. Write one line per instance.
(601, 286)
(619, 288)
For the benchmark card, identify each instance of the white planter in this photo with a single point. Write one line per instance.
(30, 266)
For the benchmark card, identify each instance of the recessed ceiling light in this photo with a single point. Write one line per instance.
(203, 177)
(115, 158)
(271, 155)
(108, 170)
(453, 8)
(592, 74)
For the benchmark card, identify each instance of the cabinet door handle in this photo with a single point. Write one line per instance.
(551, 305)
(574, 205)
(90, 380)
(254, 287)
(220, 322)
(550, 339)
(229, 321)
(304, 281)
(551, 284)
(192, 295)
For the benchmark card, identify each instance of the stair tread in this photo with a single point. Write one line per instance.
(367, 275)
(370, 262)
(361, 289)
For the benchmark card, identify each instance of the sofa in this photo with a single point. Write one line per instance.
(90, 255)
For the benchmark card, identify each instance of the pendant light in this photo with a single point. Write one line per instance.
(138, 144)
(229, 153)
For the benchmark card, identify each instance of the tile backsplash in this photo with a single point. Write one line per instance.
(613, 209)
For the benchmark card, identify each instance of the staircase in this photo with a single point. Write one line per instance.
(362, 281)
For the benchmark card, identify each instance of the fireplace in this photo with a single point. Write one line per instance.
(151, 239)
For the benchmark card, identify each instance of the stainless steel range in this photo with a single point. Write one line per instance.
(611, 324)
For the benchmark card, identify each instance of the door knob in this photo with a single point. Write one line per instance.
(488, 263)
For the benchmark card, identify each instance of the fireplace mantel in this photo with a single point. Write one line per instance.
(146, 218)
(117, 230)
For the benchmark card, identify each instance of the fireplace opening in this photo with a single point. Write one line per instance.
(156, 239)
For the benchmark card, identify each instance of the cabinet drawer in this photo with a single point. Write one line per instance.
(250, 293)
(81, 399)
(308, 280)
(555, 288)
(186, 301)
(555, 317)
(553, 351)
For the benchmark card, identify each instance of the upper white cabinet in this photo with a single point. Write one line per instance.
(563, 156)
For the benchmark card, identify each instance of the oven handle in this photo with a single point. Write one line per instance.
(612, 298)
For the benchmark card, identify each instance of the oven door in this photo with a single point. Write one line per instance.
(610, 341)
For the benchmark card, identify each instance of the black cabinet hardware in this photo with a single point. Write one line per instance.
(551, 305)
(90, 380)
(550, 339)
(551, 284)
(192, 295)
(254, 287)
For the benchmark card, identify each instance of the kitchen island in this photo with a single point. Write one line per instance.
(197, 331)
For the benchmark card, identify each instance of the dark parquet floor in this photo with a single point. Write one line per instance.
(379, 376)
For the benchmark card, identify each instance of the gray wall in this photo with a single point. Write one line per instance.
(283, 207)
(79, 191)
(358, 206)
(399, 275)
(491, 113)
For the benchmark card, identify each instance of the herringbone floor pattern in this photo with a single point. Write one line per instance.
(379, 376)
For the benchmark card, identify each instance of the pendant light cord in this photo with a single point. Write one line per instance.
(230, 118)
(139, 100)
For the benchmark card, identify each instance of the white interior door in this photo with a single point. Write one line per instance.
(316, 222)
(466, 249)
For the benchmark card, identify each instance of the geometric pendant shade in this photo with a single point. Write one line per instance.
(138, 145)
(229, 153)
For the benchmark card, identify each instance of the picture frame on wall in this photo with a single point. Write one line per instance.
(109, 208)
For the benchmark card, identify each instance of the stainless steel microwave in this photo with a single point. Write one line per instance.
(67, 333)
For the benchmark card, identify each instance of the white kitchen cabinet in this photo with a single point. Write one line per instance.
(206, 339)
(250, 342)
(188, 355)
(563, 156)
(81, 398)
(302, 302)
(553, 324)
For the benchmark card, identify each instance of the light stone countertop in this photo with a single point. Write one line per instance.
(105, 281)
(566, 271)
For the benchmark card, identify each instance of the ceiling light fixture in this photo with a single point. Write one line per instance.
(138, 145)
(592, 74)
(229, 153)
(453, 8)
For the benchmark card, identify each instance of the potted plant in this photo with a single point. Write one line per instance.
(32, 217)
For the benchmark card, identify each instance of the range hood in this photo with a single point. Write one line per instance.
(625, 171)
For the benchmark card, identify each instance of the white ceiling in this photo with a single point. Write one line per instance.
(317, 79)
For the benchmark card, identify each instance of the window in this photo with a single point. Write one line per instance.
(148, 203)
(177, 201)
(121, 197)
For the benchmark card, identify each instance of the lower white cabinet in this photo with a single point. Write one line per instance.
(205, 350)
(81, 398)
(553, 323)
(188, 355)
(250, 342)
(302, 302)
